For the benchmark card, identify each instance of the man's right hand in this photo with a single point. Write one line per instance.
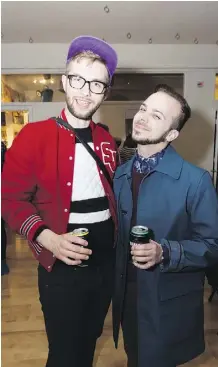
(65, 247)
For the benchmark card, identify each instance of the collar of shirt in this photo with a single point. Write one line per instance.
(146, 165)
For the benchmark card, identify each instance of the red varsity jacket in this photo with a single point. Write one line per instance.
(37, 179)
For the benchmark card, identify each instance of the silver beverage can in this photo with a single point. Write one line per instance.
(82, 233)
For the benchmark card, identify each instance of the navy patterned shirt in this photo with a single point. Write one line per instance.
(146, 165)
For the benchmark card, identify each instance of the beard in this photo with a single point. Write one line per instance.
(140, 141)
(86, 115)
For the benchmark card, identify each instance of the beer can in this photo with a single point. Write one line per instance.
(82, 233)
(140, 235)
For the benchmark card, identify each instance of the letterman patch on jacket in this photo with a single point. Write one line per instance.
(109, 156)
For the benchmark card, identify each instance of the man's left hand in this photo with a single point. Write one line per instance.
(144, 256)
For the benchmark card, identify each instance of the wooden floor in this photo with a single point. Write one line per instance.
(24, 342)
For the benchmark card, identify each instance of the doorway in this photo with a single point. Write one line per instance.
(13, 119)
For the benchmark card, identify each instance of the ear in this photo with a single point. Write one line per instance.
(64, 82)
(172, 135)
(107, 93)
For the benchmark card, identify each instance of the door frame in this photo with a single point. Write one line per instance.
(14, 106)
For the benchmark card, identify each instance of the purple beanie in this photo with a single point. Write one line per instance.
(97, 46)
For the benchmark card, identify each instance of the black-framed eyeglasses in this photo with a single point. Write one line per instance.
(95, 86)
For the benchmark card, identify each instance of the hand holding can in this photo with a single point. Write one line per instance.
(140, 235)
(81, 233)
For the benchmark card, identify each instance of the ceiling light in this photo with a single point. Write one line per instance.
(196, 41)
(52, 81)
(35, 81)
(30, 40)
(106, 9)
(150, 40)
(47, 76)
(177, 36)
(129, 35)
(2, 35)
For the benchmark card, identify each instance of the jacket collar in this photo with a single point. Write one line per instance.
(171, 165)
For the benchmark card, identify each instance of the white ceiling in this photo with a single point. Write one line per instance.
(61, 21)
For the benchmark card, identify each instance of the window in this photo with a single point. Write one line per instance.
(32, 88)
(48, 87)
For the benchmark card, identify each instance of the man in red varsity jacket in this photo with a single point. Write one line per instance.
(51, 186)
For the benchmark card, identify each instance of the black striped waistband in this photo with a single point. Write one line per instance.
(89, 205)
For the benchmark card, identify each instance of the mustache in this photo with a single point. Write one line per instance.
(139, 123)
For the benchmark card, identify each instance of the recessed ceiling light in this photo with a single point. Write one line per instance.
(177, 36)
(129, 35)
(106, 9)
(150, 40)
(30, 40)
(196, 41)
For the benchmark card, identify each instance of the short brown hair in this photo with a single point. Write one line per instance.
(87, 55)
(185, 108)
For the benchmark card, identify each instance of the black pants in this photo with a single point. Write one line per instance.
(3, 240)
(74, 302)
(212, 276)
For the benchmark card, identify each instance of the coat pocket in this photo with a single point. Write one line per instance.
(174, 285)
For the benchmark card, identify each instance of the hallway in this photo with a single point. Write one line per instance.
(23, 338)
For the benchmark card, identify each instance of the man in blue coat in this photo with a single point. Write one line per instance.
(159, 285)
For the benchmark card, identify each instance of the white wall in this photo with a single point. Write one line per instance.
(42, 111)
(197, 62)
(113, 114)
(52, 56)
(197, 138)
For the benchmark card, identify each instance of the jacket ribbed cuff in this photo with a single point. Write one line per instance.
(30, 226)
